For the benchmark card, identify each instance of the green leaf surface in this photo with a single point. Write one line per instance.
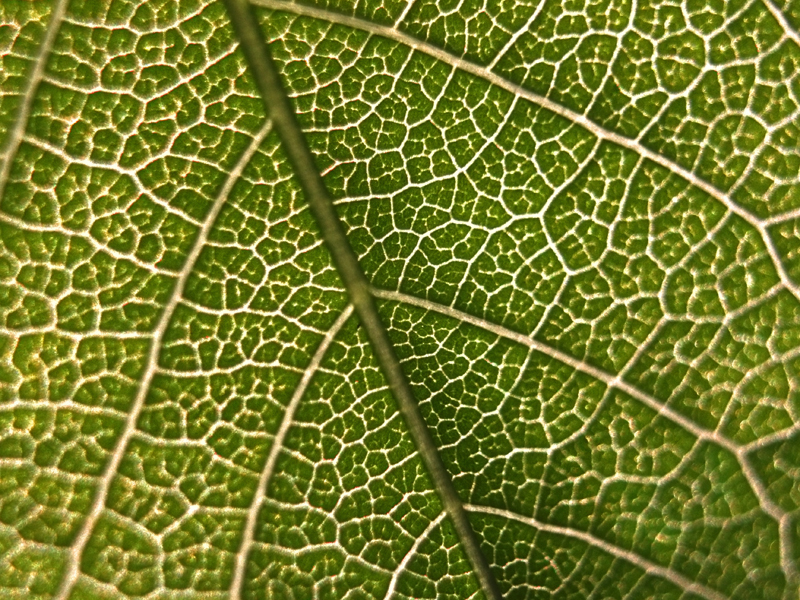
(580, 224)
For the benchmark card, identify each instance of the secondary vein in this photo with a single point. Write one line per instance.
(760, 225)
(320, 204)
(646, 565)
(34, 78)
(72, 569)
(277, 445)
(767, 504)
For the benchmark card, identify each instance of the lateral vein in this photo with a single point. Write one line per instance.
(769, 506)
(277, 445)
(391, 33)
(579, 365)
(410, 555)
(783, 22)
(646, 565)
(24, 110)
(72, 570)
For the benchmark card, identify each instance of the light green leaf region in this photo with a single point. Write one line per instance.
(581, 220)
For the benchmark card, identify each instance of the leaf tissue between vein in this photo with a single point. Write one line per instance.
(579, 224)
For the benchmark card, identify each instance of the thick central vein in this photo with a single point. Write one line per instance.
(321, 206)
(768, 505)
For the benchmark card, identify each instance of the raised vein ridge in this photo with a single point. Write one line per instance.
(410, 556)
(277, 103)
(783, 21)
(277, 445)
(761, 225)
(646, 565)
(767, 504)
(72, 569)
(34, 78)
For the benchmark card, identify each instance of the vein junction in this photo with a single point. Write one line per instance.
(528, 226)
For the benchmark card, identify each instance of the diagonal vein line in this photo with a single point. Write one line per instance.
(412, 552)
(783, 22)
(515, 36)
(646, 565)
(277, 102)
(493, 78)
(73, 560)
(34, 78)
(778, 514)
(277, 445)
(579, 365)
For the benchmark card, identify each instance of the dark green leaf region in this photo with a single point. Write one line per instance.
(578, 222)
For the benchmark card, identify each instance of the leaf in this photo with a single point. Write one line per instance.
(578, 227)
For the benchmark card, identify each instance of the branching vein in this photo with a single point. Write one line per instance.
(647, 566)
(248, 535)
(781, 517)
(602, 133)
(72, 569)
(321, 206)
(34, 78)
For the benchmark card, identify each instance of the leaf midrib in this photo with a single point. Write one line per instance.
(17, 133)
(740, 452)
(276, 102)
